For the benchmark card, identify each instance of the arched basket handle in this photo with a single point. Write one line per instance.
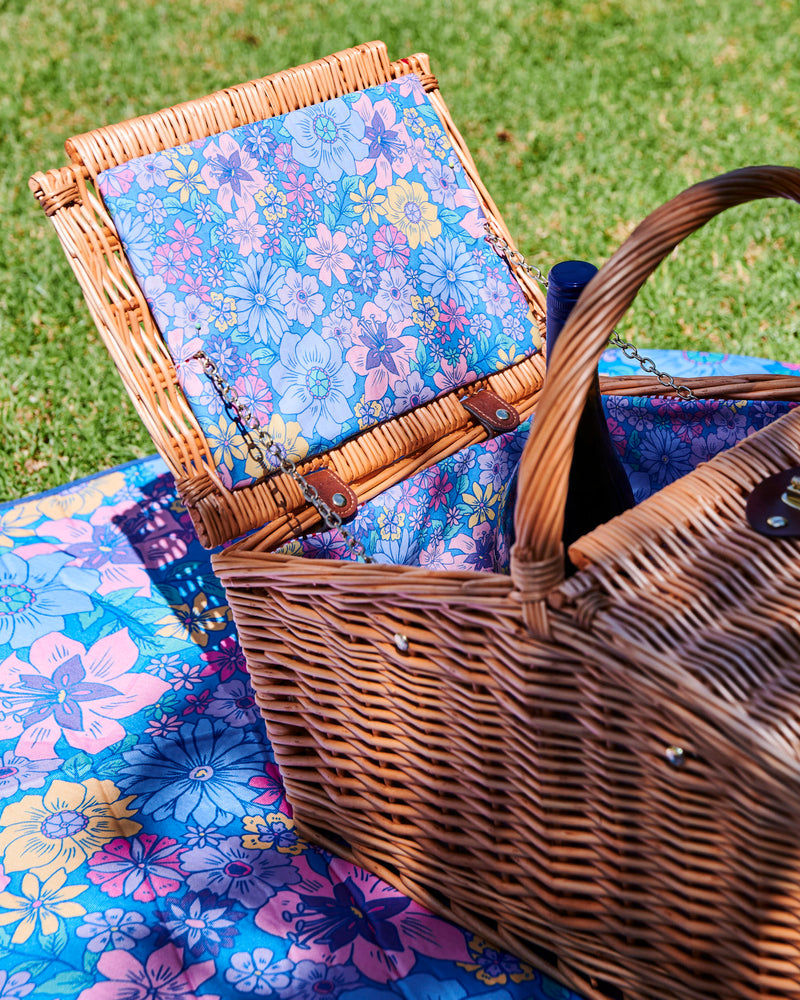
(537, 563)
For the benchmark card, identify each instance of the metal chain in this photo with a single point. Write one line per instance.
(266, 445)
(648, 366)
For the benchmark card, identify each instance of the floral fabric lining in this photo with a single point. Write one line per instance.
(331, 262)
(459, 514)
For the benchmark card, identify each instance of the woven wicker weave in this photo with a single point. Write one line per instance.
(509, 768)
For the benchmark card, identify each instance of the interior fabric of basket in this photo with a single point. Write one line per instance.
(459, 514)
(330, 261)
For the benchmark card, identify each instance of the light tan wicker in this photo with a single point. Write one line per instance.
(515, 767)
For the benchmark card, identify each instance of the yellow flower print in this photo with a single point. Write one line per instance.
(425, 312)
(226, 442)
(82, 498)
(192, 624)
(40, 904)
(64, 827)
(483, 503)
(275, 830)
(16, 523)
(223, 311)
(273, 202)
(507, 358)
(368, 203)
(366, 413)
(493, 967)
(391, 525)
(186, 179)
(287, 434)
(410, 210)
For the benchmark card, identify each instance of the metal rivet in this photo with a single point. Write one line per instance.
(502, 414)
(776, 521)
(339, 500)
(675, 756)
(401, 641)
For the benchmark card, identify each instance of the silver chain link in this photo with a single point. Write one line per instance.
(648, 366)
(261, 444)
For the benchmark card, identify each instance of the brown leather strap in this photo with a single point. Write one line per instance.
(773, 508)
(340, 497)
(494, 413)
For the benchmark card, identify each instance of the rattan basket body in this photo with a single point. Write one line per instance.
(510, 768)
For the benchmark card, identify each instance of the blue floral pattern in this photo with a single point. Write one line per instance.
(146, 845)
(331, 262)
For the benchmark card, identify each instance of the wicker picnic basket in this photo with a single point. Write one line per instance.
(602, 774)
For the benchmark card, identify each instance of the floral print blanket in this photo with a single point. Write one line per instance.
(147, 851)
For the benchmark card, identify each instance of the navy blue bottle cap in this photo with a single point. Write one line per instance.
(570, 275)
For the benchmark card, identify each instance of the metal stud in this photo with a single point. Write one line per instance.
(676, 757)
(502, 414)
(401, 641)
(776, 521)
(339, 500)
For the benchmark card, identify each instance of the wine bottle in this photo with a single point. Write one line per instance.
(598, 487)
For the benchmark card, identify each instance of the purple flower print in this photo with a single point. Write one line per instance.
(312, 980)
(143, 867)
(122, 928)
(17, 772)
(314, 384)
(201, 771)
(15, 986)
(200, 921)
(234, 703)
(249, 876)
(664, 457)
(232, 172)
(328, 137)
(300, 297)
(448, 269)
(254, 290)
(359, 920)
(256, 973)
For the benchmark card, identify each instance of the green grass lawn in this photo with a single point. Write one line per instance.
(582, 116)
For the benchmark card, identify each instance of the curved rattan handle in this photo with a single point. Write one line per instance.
(537, 559)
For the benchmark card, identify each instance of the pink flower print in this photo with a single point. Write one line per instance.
(453, 316)
(274, 793)
(193, 285)
(386, 139)
(298, 189)
(67, 690)
(225, 661)
(391, 247)
(184, 241)
(453, 376)
(353, 918)
(301, 297)
(232, 173)
(169, 264)
(163, 977)
(256, 394)
(247, 232)
(284, 160)
(327, 254)
(101, 545)
(439, 489)
(116, 182)
(143, 867)
(378, 352)
(437, 557)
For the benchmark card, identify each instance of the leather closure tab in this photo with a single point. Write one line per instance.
(496, 415)
(773, 507)
(334, 491)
